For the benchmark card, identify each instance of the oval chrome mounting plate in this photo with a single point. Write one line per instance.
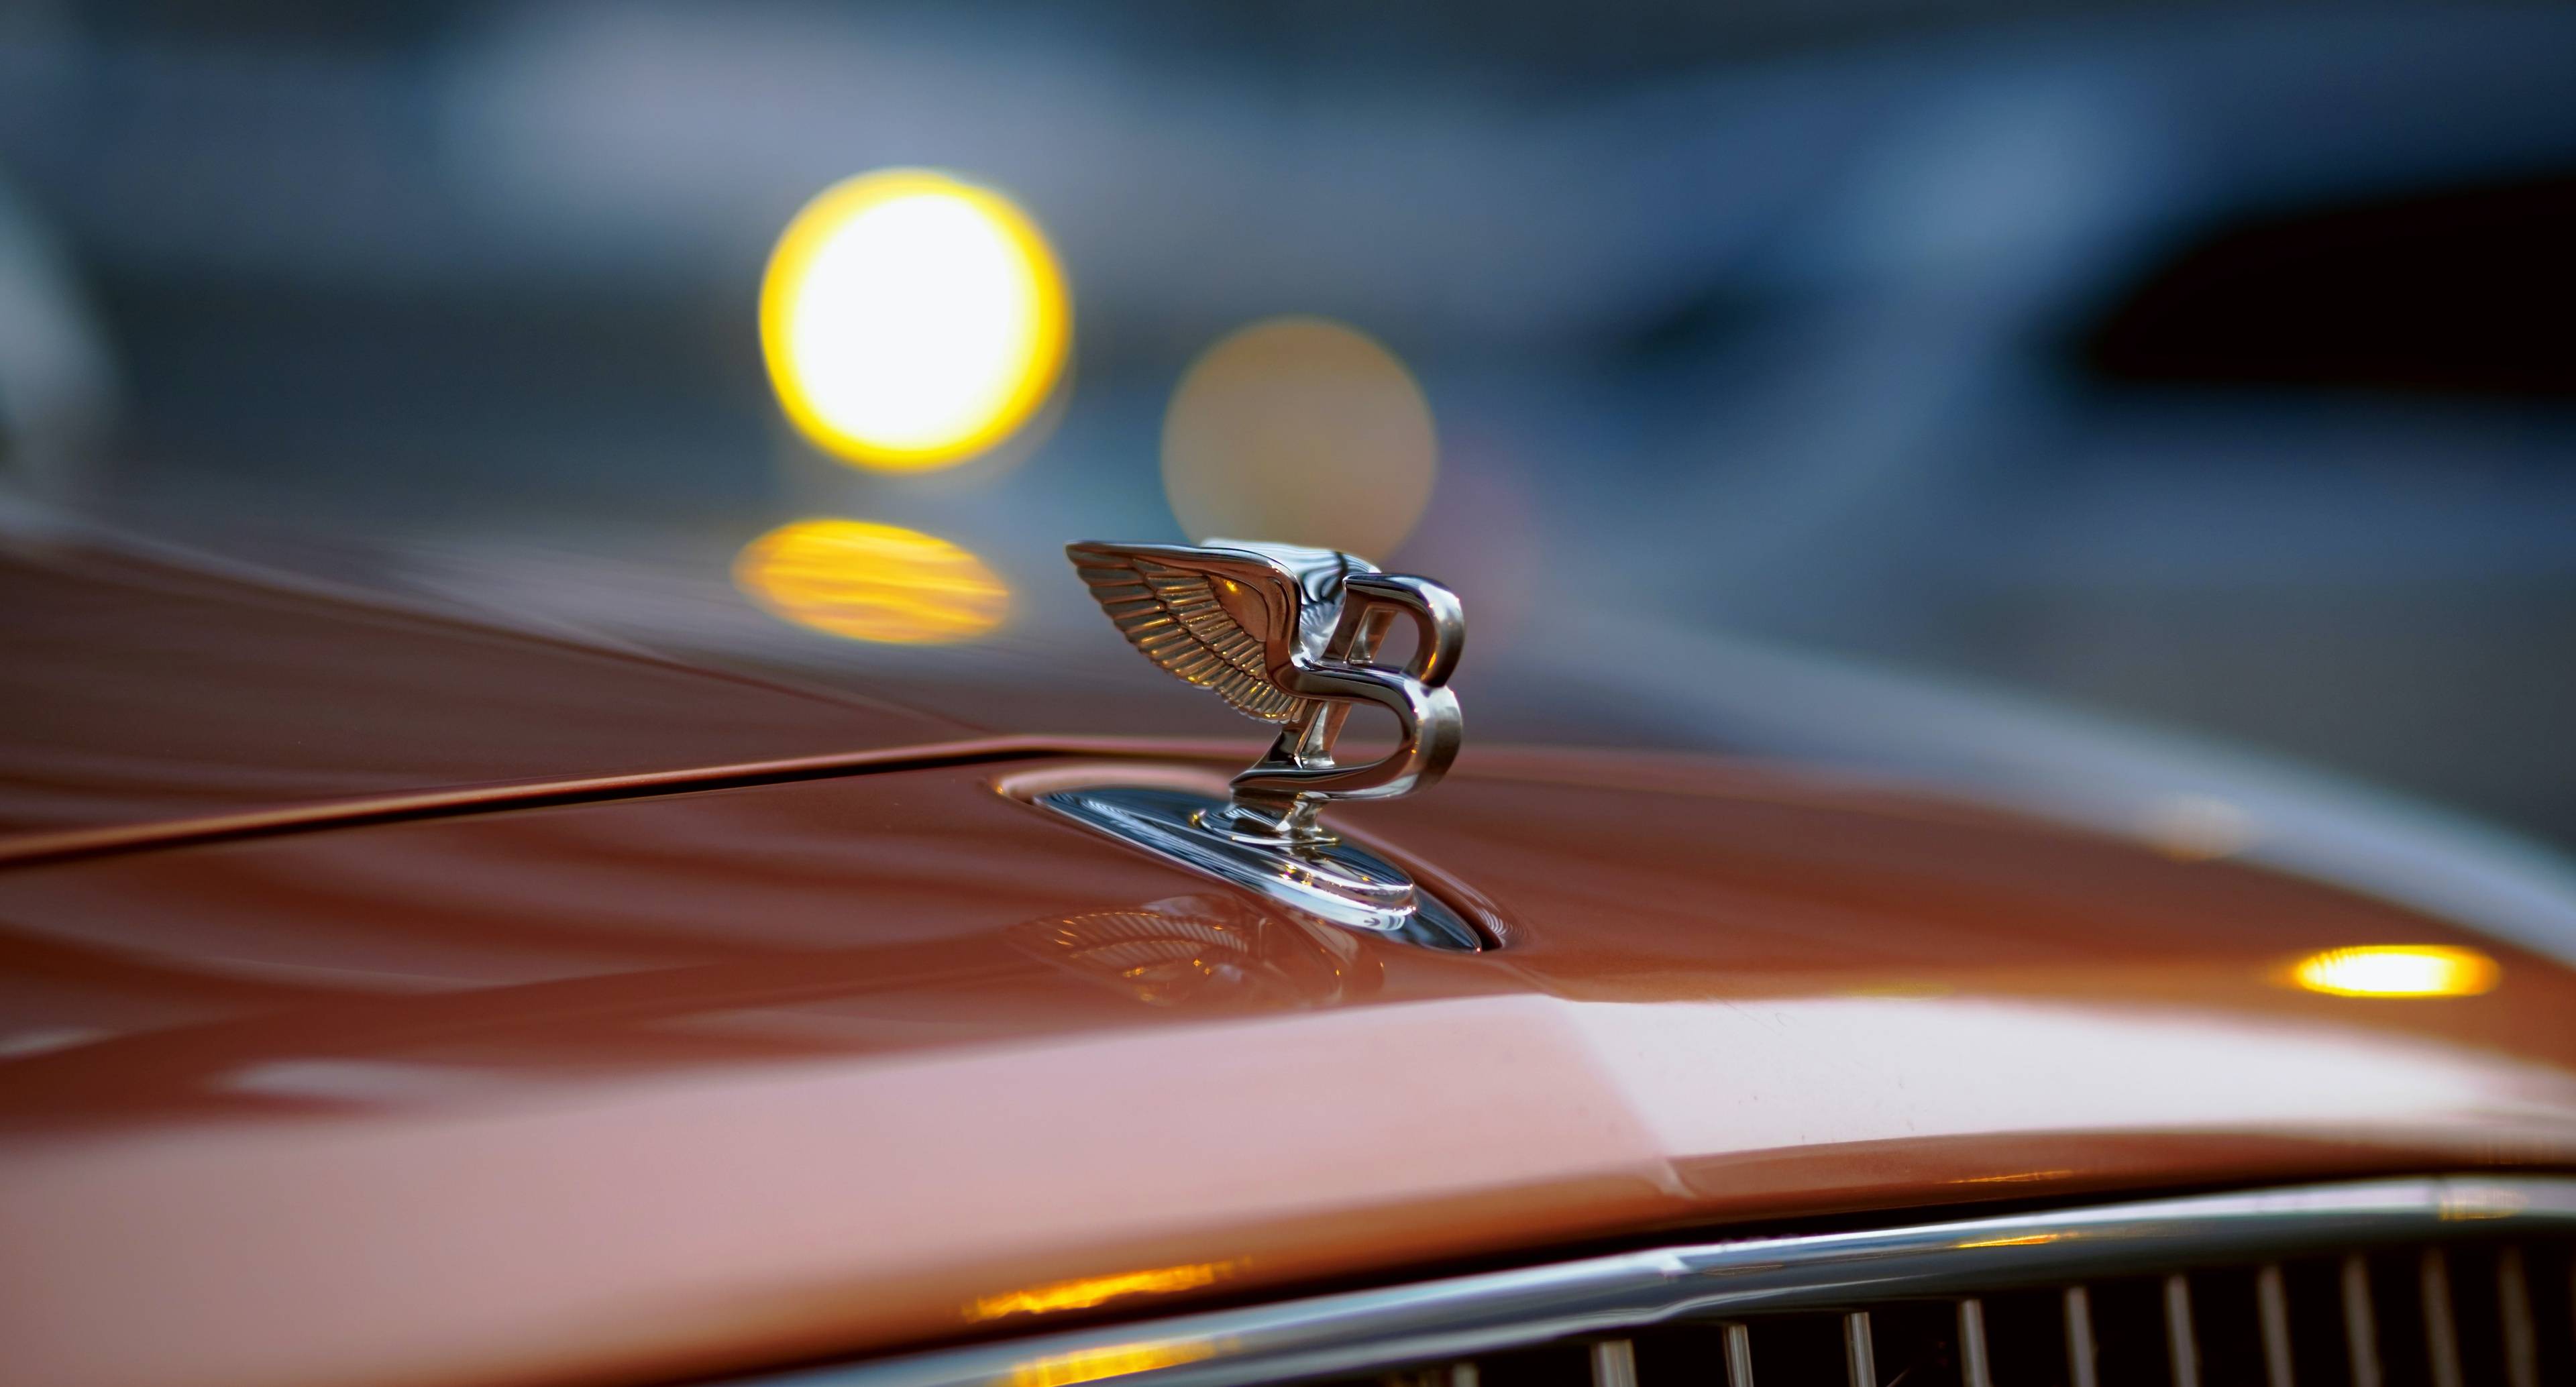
(1332, 879)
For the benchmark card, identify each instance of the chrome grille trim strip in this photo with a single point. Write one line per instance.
(1601, 1297)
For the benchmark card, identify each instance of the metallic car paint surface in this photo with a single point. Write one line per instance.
(715, 1079)
(698, 1080)
(134, 689)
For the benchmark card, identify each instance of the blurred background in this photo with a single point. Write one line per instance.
(2211, 366)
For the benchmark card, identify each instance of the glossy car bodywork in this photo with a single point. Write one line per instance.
(469, 1006)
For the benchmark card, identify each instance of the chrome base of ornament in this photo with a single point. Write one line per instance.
(1328, 878)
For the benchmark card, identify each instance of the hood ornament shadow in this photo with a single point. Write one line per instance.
(1290, 636)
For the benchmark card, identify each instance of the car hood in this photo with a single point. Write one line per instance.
(142, 687)
(711, 1079)
(690, 1063)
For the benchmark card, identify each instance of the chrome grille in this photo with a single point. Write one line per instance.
(2452, 1282)
(2466, 1314)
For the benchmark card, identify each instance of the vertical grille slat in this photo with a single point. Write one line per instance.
(1739, 1356)
(2513, 1306)
(2182, 1351)
(1974, 1370)
(2360, 1325)
(1614, 1363)
(2441, 1331)
(1860, 1351)
(2272, 1307)
(2083, 1357)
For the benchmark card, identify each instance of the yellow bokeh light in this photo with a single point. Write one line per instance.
(2398, 970)
(910, 320)
(1300, 431)
(872, 582)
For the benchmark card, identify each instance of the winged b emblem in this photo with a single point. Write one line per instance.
(1290, 635)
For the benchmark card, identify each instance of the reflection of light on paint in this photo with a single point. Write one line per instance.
(1299, 431)
(872, 582)
(910, 320)
(2197, 828)
(1091, 1365)
(1094, 1290)
(2398, 970)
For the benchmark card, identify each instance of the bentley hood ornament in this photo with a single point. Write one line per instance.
(1290, 636)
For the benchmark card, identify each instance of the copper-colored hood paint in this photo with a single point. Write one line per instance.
(134, 690)
(669, 1080)
(719, 1079)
